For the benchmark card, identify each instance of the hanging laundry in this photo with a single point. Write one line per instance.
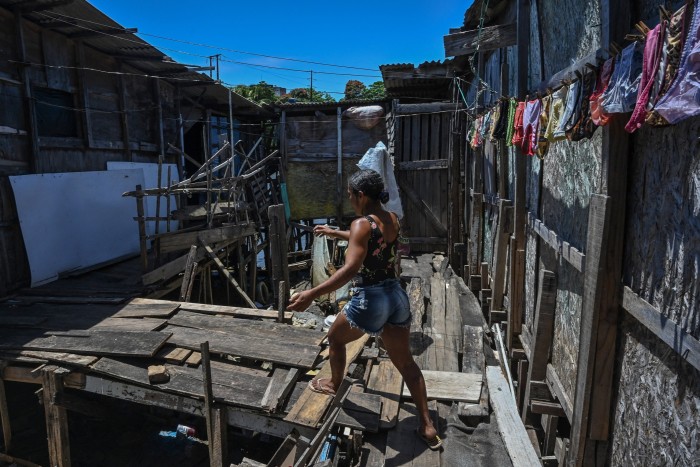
(501, 125)
(495, 116)
(556, 111)
(476, 139)
(621, 95)
(683, 97)
(517, 139)
(542, 143)
(531, 122)
(510, 124)
(598, 115)
(652, 58)
(568, 117)
(674, 39)
(584, 126)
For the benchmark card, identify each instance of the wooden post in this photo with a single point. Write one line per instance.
(517, 257)
(83, 96)
(475, 232)
(339, 176)
(56, 417)
(500, 253)
(278, 250)
(30, 109)
(216, 456)
(5, 413)
(226, 273)
(542, 335)
(140, 213)
(453, 219)
(123, 115)
(281, 300)
(189, 273)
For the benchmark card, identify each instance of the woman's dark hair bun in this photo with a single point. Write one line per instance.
(370, 183)
(384, 196)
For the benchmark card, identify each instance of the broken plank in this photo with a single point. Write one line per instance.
(281, 384)
(174, 354)
(129, 324)
(58, 357)
(386, 381)
(511, 428)
(271, 350)
(184, 240)
(194, 360)
(451, 386)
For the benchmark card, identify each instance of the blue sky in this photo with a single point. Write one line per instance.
(362, 34)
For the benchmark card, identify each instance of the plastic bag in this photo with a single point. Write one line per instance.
(377, 159)
(365, 117)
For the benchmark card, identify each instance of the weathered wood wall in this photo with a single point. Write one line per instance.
(116, 119)
(653, 414)
(311, 151)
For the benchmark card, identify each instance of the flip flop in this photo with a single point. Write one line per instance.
(432, 443)
(316, 386)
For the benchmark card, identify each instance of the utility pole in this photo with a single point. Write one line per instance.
(311, 86)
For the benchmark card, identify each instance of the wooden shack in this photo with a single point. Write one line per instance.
(78, 90)
(586, 257)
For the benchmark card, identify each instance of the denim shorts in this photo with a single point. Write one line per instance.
(373, 306)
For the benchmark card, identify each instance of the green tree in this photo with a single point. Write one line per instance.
(375, 90)
(354, 89)
(302, 95)
(262, 93)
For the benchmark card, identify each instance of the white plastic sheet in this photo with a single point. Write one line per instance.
(75, 220)
(377, 159)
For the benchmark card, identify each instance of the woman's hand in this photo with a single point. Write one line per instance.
(300, 301)
(323, 230)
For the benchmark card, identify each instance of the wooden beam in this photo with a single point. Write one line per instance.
(29, 107)
(685, 345)
(542, 334)
(557, 388)
(423, 165)
(511, 428)
(278, 251)
(562, 248)
(488, 38)
(598, 238)
(505, 215)
(56, 416)
(227, 274)
(431, 107)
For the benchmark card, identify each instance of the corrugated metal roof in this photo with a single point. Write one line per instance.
(307, 106)
(100, 32)
(427, 80)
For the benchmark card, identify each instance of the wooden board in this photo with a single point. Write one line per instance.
(115, 343)
(281, 384)
(271, 350)
(129, 324)
(361, 411)
(404, 447)
(386, 381)
(515, 438)
(174, 354)
(247, 327)
(59, 357)
(147, 308)
(230, 386)
(488, 38)
(451, 386)
(233, 311)
(311, 406)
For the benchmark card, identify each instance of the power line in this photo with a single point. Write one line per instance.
(216, 47)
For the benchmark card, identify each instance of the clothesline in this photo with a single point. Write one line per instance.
(655, 79)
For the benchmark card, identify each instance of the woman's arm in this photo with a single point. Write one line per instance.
(354, 257)
(332, 233)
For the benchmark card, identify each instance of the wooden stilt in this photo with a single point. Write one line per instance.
(188, 278)
(140, 212)
(5, 414)
(56, 417)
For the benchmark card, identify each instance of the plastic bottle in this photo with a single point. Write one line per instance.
(185, 430)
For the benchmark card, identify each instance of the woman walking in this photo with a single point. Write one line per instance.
(379, 306)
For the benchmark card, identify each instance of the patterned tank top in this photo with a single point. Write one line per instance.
(380, 262)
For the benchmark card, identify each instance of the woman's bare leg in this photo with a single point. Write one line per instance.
(396, 341)
(340, 334)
